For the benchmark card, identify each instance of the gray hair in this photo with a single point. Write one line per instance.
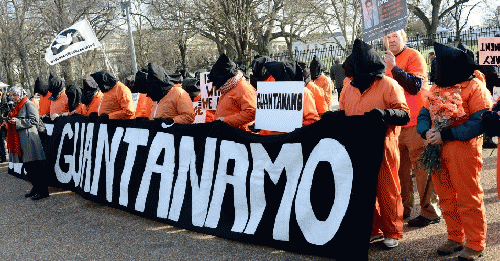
(19, 91)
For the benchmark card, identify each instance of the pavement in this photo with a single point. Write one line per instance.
(68, 227)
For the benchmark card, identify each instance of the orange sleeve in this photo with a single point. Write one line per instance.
(184, 109)
(326, 84)
(247, 100)
(143, 106)
(310, 114)
(480, 98)
(319, 97)
(80, 109)
(395, 98)
(44, 104)
(210, 116)
(124, 99)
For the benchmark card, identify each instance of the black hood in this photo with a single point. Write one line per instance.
(185, 74)
(348, 66)
(367, 65)
(159, 83)
(90, 87)
(41, 86)
(56, 87)
(306, 74)
(191, 86)
(199, 72)
(223, 70)
(316, 67)
(141, 80)
(129, 81)
(453, 65)
(468, 51)
(259, 72)
(105, 80)
(284, 71)
(176, 78)
(74, 93)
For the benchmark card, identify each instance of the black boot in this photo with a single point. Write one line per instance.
(40, 195)
(31, 193)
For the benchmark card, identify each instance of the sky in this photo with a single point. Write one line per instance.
(476, 15)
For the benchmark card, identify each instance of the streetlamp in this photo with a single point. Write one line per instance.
(126, 8)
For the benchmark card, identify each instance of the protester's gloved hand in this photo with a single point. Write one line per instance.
(491, 123)
(93, 116)
(376, 114)
(104, 117)
(333, 114)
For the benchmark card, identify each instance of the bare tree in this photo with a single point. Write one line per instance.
(436, 13)
(342, 16)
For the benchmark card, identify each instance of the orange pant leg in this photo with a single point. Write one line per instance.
(460, 193)
(388, 216)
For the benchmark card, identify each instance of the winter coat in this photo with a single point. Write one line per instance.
(31, 146)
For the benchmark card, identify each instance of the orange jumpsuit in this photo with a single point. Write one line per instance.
(44, 104)
(326, 84)
(238, 106)
(458, 183)
(384, 93)
(60, 105)
(93, 105)
(411, 144)
(319, 97)
(177, 105)
(118, 103)
(144, 105)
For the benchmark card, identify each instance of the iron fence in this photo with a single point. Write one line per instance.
(422, 43)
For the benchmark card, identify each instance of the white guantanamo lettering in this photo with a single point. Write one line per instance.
(86, 155)
(109, 152)
(200, 189)
(63, 177)
(162, 141)
(134, 137)
(291, 159)
(320, 232)
(71, 159)
(238, 152)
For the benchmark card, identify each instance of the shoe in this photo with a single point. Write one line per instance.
(30, 194)
(449, 248)
(390, 243)
(422, 221)
(375, 238)
(40, 196)
(469, 254)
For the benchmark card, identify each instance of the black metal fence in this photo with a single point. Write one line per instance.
(424, 44)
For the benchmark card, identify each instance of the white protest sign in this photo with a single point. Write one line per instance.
(279, 106)
(72, 41)
(209, 95)
(199, 114)
(489, 50)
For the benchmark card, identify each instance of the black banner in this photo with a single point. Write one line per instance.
(311, 191)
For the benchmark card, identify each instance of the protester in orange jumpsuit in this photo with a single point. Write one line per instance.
(144, 103)
(192, 87)
(318, 93)
(117, 100)
(91, 97)
(172, 101)
(408, 67)
(372, 93)
(42, 87)
(458, 182)
(238, 101)
(491, 123)
(59, 100)
(323, 81)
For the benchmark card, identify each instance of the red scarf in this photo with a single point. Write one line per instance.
(13, 143)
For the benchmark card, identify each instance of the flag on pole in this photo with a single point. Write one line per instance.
(72, 41)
